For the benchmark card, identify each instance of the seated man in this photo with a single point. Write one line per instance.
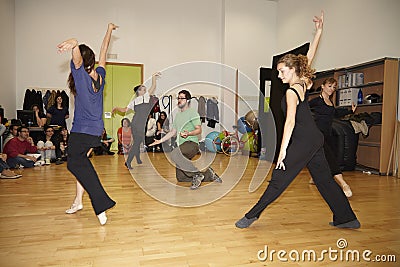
(49, 147)
(17, 148)
(12, 133)
(187, 126)
(5, 171)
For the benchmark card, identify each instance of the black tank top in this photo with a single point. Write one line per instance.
(305, 130)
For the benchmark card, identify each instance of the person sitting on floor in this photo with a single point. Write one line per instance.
(18, 147)
(63, 140)
(3, 128)
(12, 132)
(151, 128)
(124, 137)
(105, 147)
(162, 128)
(5, 171)
(49, 147)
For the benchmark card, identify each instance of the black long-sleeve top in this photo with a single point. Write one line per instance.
(324, 114)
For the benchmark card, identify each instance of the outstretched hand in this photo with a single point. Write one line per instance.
(112, 26)
(157, 75)
(279, 162)
(156, 142)
(319, 21)
(67, 45)
(353, 107)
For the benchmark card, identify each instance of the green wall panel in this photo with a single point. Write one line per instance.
(120, 81)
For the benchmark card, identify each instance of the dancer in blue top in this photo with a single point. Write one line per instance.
(87, 85)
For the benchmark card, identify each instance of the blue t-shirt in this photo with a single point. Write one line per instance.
(58, 115)
(88, 114)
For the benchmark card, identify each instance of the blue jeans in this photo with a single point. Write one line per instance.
(12, 162)
(3, 165)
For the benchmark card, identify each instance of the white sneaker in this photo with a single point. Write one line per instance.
(102, 218)
(38, 163)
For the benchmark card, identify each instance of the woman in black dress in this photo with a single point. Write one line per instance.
(302, 144)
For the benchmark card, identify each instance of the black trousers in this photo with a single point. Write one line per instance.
(138, 134)
(320, 172)
(80, 166)
(330, 155)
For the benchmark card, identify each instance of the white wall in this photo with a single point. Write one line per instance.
(159, 34)
(355, 31)
(7, 54)
(156, 33)
(250, 41)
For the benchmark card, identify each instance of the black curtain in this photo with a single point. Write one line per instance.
(278, 90)
(267, 132)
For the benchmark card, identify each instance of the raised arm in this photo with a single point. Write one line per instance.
(168, 136)
(105, 44)
(319, 23)
(72, 44)
(154, 82)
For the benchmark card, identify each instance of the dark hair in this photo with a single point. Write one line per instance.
(161, 121)
(187, 94)
(20, 128)
(38, 106)
(88, 63)
(125, 119)
(136, 88)
(330, 80)
(58, 94)
(46, 127)
(15, 122)
(300, 65)
(104, 135)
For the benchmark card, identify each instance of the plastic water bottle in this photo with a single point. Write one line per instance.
(360, 97)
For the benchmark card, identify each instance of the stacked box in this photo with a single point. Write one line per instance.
(348, 96)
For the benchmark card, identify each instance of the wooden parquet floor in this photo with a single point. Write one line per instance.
(142, 230)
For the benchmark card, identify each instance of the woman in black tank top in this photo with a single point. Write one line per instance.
(302, 143)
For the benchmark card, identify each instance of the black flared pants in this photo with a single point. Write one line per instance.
(80, 166)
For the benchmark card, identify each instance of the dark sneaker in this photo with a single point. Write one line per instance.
(354, 224)
(196, 182)
(128, 166)
(215, 177)
(244, 222)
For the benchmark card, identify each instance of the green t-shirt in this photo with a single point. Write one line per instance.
(186, 120)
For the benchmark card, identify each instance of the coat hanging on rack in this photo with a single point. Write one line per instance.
(201, 109)
(212, 112)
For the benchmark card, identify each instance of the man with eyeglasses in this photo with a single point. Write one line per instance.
(18, 147)
(187, 126)
(49, 147)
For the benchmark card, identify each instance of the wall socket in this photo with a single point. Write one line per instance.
(112, 56)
